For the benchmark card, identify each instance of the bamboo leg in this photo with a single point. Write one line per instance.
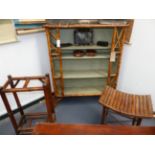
(16, 97)
(139, 122)
(48, 99)
(110, 63)
(134, 121)
(51, 60)
(61, 65)
(10, 113)
(104, 115)
(121, 40)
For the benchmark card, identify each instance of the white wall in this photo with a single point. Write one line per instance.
(26, 57)
(137, 74)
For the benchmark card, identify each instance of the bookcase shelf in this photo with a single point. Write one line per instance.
(98, 56)
(86, 75)
(86, 47)
(70, 56)
(82, 74)
(83, 91)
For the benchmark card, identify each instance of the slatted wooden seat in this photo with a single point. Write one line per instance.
(136, 107)
(28, 120)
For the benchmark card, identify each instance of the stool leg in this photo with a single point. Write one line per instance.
(104, 115)
(139, 120)
(134, 121)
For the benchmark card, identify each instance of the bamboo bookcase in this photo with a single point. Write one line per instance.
(84, 76)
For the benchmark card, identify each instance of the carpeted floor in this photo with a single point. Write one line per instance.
(84, 110)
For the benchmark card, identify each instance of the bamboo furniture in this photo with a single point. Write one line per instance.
(136, 107)
(81, 129)
(13, 86)
(84, 76)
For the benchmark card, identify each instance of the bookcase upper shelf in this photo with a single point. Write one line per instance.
(86, 47)
(98, 56)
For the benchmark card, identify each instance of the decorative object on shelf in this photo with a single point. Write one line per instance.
(83, 36)
(102, 43)
(62, 45)
(112, 21)
(88, 21)
(85, 47)
(62, 21)
(78, 53)
(66, 44)
(91, 53)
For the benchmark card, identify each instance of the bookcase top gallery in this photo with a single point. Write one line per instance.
(111, 25)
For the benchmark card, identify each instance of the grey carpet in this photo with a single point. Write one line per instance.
(83, 110)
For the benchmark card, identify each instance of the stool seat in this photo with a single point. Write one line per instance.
(135, 106)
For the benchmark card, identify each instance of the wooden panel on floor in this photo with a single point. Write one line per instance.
(80, 129)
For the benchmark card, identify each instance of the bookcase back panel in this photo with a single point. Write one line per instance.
(103, 35)
(85, 82)
(67, 36)
(85, 65)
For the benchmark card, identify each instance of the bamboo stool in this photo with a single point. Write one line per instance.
(133, 106)
(24, 126)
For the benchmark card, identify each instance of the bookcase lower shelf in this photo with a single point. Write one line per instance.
(83, 91)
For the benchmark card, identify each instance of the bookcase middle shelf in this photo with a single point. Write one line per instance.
(82, 74)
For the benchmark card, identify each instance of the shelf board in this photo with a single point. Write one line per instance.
(71, 56)
(83, 91)
(85, 47)
(82, 74)
(98, 56)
